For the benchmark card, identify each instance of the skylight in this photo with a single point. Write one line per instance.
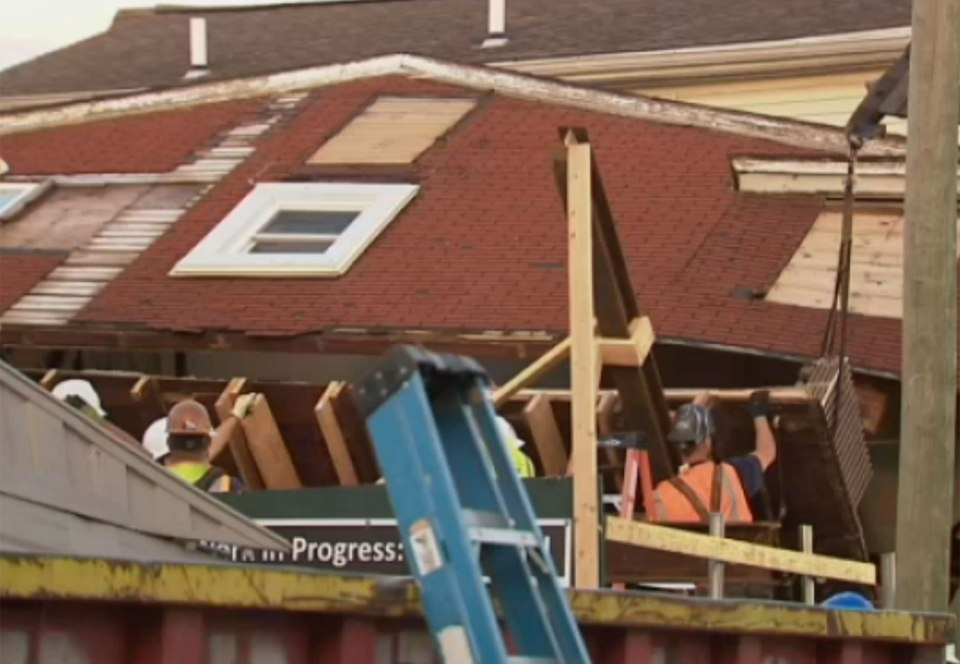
(285, 229)
(15, 195)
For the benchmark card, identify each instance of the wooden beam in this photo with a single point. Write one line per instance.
(237, 439)
(675, 540)
(583, 369)
(220, 441)
(146, 394)
(538, 368)
(539, 418)
(50, 379)
(266, 444)
(333, 435)
(139, 390)
(630, 352)
(874, 405)
(783, 395)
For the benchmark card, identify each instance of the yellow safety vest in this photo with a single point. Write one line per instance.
(191, 473)
(523, 463)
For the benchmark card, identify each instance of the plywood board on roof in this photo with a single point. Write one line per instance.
(876, 275)
(66, 218)
(392, 130)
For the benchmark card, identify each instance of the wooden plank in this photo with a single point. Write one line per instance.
(80, 288)
(674, 540)
(146, 395)
(50, 378)
(583, 369)
(266, 444)
(333, 435)
(630, 352)
(874, 406)
(237, 441)
(530, 374)
(98, 258)
(220, 441)
(392, 131)
(778, 394)
(354, 428)
(52, 302)
(539, 418)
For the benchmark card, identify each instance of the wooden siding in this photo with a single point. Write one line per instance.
(826, 98)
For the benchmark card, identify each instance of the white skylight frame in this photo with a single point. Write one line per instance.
(25, 193)
(225, 249)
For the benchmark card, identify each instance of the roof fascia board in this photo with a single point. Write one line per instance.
(205, 93)
(521, 86)
(15, 103)
(874, 179)
(856, 49)
(784, 131)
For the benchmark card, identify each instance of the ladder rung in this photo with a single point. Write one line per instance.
(503, 536)
(483, 519)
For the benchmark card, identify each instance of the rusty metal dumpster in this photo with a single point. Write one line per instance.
(76, 610)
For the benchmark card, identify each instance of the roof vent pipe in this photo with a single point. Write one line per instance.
(198, 48)
(496, 23)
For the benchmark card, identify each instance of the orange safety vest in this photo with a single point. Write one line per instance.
(701, 489)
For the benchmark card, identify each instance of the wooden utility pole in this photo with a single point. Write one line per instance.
(929, 380)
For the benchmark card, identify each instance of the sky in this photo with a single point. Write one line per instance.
(31, 27)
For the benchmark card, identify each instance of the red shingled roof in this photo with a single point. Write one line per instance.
(21, 271)
(483, 245)
(154, 143)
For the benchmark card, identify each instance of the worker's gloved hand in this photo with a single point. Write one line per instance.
(759, 404)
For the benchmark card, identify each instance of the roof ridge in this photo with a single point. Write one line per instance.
(260, 5)
(524, 86)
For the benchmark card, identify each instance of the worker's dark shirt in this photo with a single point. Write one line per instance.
(750, 472)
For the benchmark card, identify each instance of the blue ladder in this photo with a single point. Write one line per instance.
(464, 514)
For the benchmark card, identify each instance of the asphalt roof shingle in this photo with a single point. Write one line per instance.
(22, 270)
(483, 245)
(149, 48)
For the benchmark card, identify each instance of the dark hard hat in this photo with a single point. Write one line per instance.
(693, 424)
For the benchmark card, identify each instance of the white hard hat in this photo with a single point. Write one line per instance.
(155, 439)
(79, 388)
(508, 432)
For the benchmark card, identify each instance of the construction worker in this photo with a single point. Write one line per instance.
(523, 463)
(81, 395)
(187, 452)
(706, 485)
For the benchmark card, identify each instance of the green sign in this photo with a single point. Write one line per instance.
(353, 528)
